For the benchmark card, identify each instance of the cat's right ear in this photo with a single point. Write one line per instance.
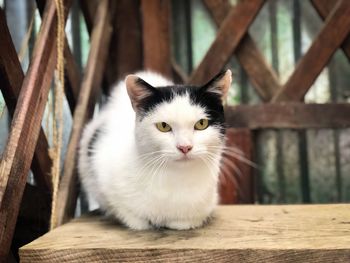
(138, 91)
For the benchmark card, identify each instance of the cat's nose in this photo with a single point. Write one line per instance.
(184, 148)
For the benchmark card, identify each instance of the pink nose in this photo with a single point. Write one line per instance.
(184, 148)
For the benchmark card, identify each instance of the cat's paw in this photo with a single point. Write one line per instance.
(184, 224)
(138, 223)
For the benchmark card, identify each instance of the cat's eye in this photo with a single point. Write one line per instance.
(163, 126)
(202, 124)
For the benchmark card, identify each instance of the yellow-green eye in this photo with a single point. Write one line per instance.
(202, 124)
(163, 126)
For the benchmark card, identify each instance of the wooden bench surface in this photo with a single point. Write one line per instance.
(251, 233)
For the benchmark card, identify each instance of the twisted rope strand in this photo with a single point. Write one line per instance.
(58, 110)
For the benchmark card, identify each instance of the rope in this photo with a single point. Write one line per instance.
(55, 151)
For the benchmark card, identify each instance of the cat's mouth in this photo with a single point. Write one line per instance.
(184, 158)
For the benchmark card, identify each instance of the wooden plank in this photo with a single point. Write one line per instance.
(156, 36)
(318, 55)
(236, 178)
(291, 115)
(249, 233)
(11, 79)
(125, 55)
(100, 38)
(262, 76)
(25, 128)
(324, 8)
(231, 31)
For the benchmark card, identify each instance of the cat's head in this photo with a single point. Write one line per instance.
(182, 123)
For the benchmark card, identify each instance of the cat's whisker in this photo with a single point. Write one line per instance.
(230, 163)
(213, 174)
(148, 164)
(236, 155)
(242, 159)
(157, 169)
(230, 148)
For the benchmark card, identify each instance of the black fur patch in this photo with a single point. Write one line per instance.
(210, 101)
(92, 142)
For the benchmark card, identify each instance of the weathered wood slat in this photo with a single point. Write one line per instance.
(231, 31)
(318, 55)
(262, 76)
(291, 115)
(100, 38)
(156, 36)
(11, 79)
(245, 233)
(25, 128)
(324, 8)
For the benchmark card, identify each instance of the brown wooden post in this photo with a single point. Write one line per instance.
(125, 51)
(156, 36)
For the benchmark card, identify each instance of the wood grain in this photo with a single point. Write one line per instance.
(156, 36)
(229, 35)
(324, 8)
(26, 124)
(291, 115)
(291, 233)
(332, 35)
(100, 38)
(11, 79)
(262, 76)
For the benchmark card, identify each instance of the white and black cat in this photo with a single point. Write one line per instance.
(151, 157)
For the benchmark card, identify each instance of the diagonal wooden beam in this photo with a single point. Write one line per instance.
(262, 76)
(324, 8)
(11, 79)
(332, 35)
(100, 38)
(26, 124)
(228, 37)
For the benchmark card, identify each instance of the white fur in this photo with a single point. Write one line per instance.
(168, 193)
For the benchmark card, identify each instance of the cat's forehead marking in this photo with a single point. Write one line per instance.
(179, 110)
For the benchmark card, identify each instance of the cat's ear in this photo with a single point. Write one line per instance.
(138, 90)
(220, 84)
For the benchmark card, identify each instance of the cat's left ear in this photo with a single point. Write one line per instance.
(138, 91)
(220, 84)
